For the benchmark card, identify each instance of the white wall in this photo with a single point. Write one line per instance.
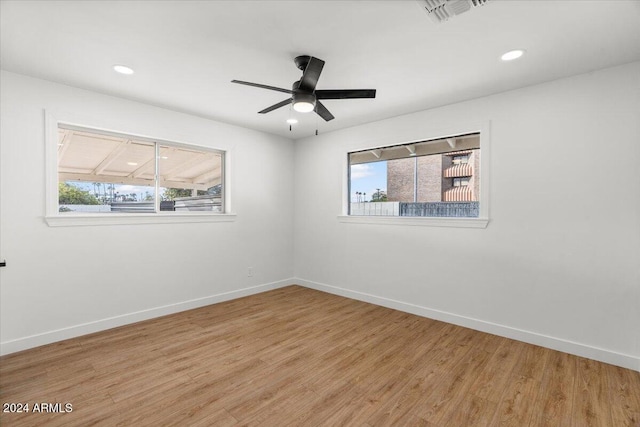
(558, 264)
(65, 281)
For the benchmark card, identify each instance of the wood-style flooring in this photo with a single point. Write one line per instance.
(299, 357)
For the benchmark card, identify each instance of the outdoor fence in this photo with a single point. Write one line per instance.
(375, 209)
(441, 209)
(180, 204)
(430, 209)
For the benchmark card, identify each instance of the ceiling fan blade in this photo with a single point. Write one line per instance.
(276, 106)
(323, 112)
(345, 93)
(279, 89)
(311, 75)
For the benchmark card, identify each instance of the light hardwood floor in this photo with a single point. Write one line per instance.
(300, 357)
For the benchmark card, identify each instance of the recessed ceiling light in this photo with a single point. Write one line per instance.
(512, 54)
(132, 163)
(292, 121)
(122, 69)
(164, 157)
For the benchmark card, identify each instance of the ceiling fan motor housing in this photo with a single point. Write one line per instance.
(302, 61)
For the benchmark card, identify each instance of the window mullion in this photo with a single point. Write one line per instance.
(157, 178)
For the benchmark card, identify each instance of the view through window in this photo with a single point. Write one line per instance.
(104, 173)
(435, 178)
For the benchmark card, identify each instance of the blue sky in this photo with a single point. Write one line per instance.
(367, 178)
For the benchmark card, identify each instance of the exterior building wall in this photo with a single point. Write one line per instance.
(431, 183)
(447, 183)
(475, 179)
(400, 180)
(430, 180)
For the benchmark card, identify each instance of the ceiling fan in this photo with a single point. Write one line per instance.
(304, 96)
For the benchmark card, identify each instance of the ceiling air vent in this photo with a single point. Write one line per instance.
(442, 10)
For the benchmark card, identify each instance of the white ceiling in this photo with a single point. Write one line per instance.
(185, 53)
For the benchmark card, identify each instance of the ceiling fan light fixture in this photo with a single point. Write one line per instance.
(303, 107)
(304, 102)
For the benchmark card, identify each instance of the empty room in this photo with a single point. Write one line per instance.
(320, 213)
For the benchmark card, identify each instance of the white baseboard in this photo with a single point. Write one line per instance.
(595, 353)
(583, 350)
(113, 322)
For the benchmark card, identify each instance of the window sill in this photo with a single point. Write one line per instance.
(416, 221)
(78, 220)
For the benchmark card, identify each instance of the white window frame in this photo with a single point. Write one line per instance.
(481, 221)
(55, 219)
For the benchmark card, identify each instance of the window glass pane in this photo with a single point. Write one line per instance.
(369, 189)
(107, 172)
(456, 160)
(437, 178)
(190, 179)
(460, 182)
(104, 173)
